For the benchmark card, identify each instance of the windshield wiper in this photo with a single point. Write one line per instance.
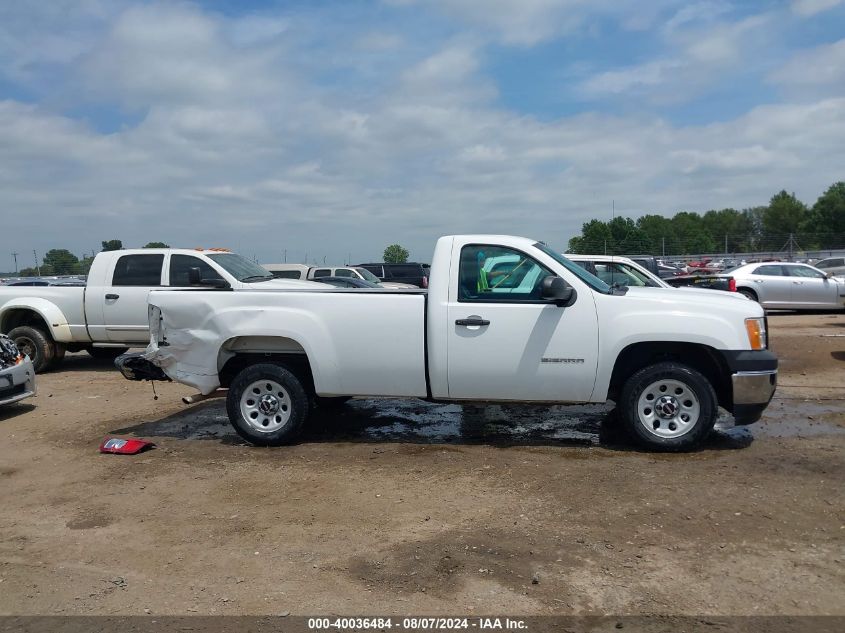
(257, 278)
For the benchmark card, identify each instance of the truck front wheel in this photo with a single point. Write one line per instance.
(34, 343)
(267, 405)
(668, 406)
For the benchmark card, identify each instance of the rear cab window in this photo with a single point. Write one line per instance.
(138, 270)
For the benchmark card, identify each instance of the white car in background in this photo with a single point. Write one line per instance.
(305, 272)
(789, 286)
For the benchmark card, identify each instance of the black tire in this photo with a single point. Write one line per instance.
(58, 355)
(331, 402)
(284, 423)
(748, 293)
(683, 389)
(36, 344)
(106, 353)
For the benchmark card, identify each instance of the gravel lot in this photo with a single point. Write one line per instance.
(398, 507)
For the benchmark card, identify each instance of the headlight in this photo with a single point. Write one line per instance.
(756, 330)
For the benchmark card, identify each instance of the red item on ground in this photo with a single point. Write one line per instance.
(124, 447)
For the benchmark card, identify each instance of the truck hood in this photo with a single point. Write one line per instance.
(705, 292)
(699, 299)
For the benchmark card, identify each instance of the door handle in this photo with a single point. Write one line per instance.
(472, 322)
(112, 297)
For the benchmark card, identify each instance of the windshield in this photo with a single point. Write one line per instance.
(240, 267)
(587, 277)
(366, 274)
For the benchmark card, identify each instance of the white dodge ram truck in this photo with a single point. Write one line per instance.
(541, 329)
(109, 314)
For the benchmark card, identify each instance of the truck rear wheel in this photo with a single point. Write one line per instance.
(668, 406)
(34, 343)
(267, 405)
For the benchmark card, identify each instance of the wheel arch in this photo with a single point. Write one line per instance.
(703, 358)
(36, 312)
(240, 352)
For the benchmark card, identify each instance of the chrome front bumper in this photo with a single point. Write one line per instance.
(17, 382)
(754, 387)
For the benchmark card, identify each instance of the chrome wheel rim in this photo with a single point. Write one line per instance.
(265, 406)
(26, 346)
(668, 408)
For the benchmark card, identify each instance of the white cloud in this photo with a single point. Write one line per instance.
(233, 145)
(819, 70)
(807, 8)
(698, 56)
(527, 22)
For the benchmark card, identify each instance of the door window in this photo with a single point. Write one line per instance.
(138, 270)
(344, 272)
(804, 271)
(322, 272)
(180, 266)
(499, 274)
(769, 271)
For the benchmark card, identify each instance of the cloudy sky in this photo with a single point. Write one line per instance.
(336, 128)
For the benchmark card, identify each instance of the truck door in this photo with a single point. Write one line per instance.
(505, 342)
(124, 297)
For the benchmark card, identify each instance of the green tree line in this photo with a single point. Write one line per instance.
(784, 221)
(60, 261)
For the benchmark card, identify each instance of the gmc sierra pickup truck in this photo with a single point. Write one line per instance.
(109, 314)
(540, 329)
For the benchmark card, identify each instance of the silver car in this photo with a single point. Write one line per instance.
(17, 376)
(835, 265)
(789, 286)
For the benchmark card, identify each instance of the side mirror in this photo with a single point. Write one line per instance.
(195, 279)
(829, 275)
(557, 291)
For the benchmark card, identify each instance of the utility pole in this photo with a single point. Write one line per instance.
(286, 256)
(726, 244)
(37, 267)
(15, 255)
(664, 246)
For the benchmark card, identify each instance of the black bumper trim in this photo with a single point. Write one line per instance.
(749, 360)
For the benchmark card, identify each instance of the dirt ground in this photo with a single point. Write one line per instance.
(402, 507)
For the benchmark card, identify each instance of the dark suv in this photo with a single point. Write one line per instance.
(407, 273)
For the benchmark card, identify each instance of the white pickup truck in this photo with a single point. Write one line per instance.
(541, 329)
(109, 314)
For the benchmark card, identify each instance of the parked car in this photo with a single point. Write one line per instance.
(17, 375)
(623, 271)
(287, 271)
(109, 313)
(51, 281)
(408, 273)
(544, 330)
(302, 271)
(348, 282)
(789, 286)
(835, 265)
